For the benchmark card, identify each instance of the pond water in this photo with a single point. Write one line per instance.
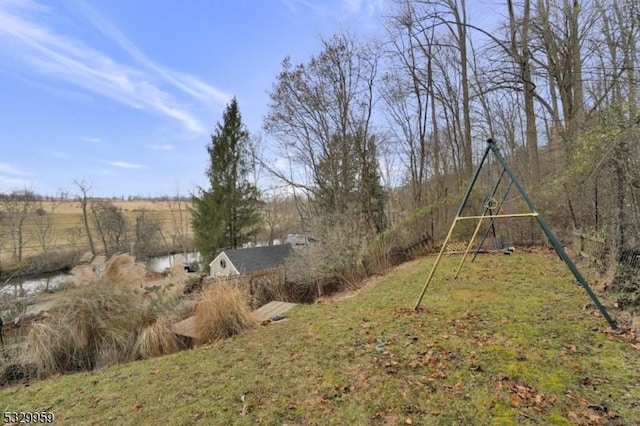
(23, 287)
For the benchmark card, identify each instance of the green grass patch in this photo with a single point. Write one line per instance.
(509, 342)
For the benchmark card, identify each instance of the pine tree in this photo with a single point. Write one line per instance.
(226, 215)
(372, 195)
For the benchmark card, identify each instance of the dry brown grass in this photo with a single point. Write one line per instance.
(73, 207)
(91, 327)
(101, 321)
(123, 270)
(157, 339)
(221, 312)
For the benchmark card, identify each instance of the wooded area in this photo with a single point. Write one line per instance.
(552, 82)
(369, 144)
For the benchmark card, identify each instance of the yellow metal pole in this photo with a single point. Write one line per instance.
(466, 252)
(500, 216)
(475, 233)
(435, 265)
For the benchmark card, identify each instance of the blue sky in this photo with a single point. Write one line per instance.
(125, 94)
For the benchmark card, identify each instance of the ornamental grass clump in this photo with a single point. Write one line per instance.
(221, 312)
(157, 339)
(103, 320)
(91, 327)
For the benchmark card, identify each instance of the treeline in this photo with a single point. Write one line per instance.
(373, 130)
(29, 195)
(375, 139)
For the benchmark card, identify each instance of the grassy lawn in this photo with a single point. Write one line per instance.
(512, 341)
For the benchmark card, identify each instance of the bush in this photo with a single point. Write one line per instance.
(122, 270)
(91, 327)
(265, 288)
(626, 283)
(157, 339)
(101, 321)
(221, 312)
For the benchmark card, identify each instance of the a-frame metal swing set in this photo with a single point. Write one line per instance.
(491, 211)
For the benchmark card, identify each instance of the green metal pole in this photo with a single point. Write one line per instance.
(486, 232)
(552, 237)
(473, 182)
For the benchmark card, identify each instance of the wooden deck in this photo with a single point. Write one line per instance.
(271, 310)
(186, 327)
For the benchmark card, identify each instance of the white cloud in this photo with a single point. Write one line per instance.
(12, 184)
(365, 14)
(13, 178)
(187, 83)
(163, 147)
(352, 6)
(9, 169)
(125, 165)
(295, 5)
(29, 41)
(55, 154)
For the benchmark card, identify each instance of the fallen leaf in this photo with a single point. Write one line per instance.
(515, 400)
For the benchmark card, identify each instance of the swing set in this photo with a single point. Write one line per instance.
(491, 211)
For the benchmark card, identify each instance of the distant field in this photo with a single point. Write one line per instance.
(73, 207)
(67, 230)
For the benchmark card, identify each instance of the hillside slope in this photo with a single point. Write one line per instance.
(513, 341)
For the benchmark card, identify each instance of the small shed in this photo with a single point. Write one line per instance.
(249, 260)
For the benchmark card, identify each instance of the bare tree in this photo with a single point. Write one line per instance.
(112, 226)
(452, 15)
(148, 233)
(519, 49)
(44, 226)
(407, 92)
(180, 220)
(17, 208)
(321, 112)
(272, 211)
(84, 199)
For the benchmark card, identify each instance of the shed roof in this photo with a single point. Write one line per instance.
(255, 259)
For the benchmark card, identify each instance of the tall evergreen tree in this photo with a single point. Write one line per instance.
(227, 214)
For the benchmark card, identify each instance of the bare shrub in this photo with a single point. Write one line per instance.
(221, 312)
(334, 264)
(274, 285)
